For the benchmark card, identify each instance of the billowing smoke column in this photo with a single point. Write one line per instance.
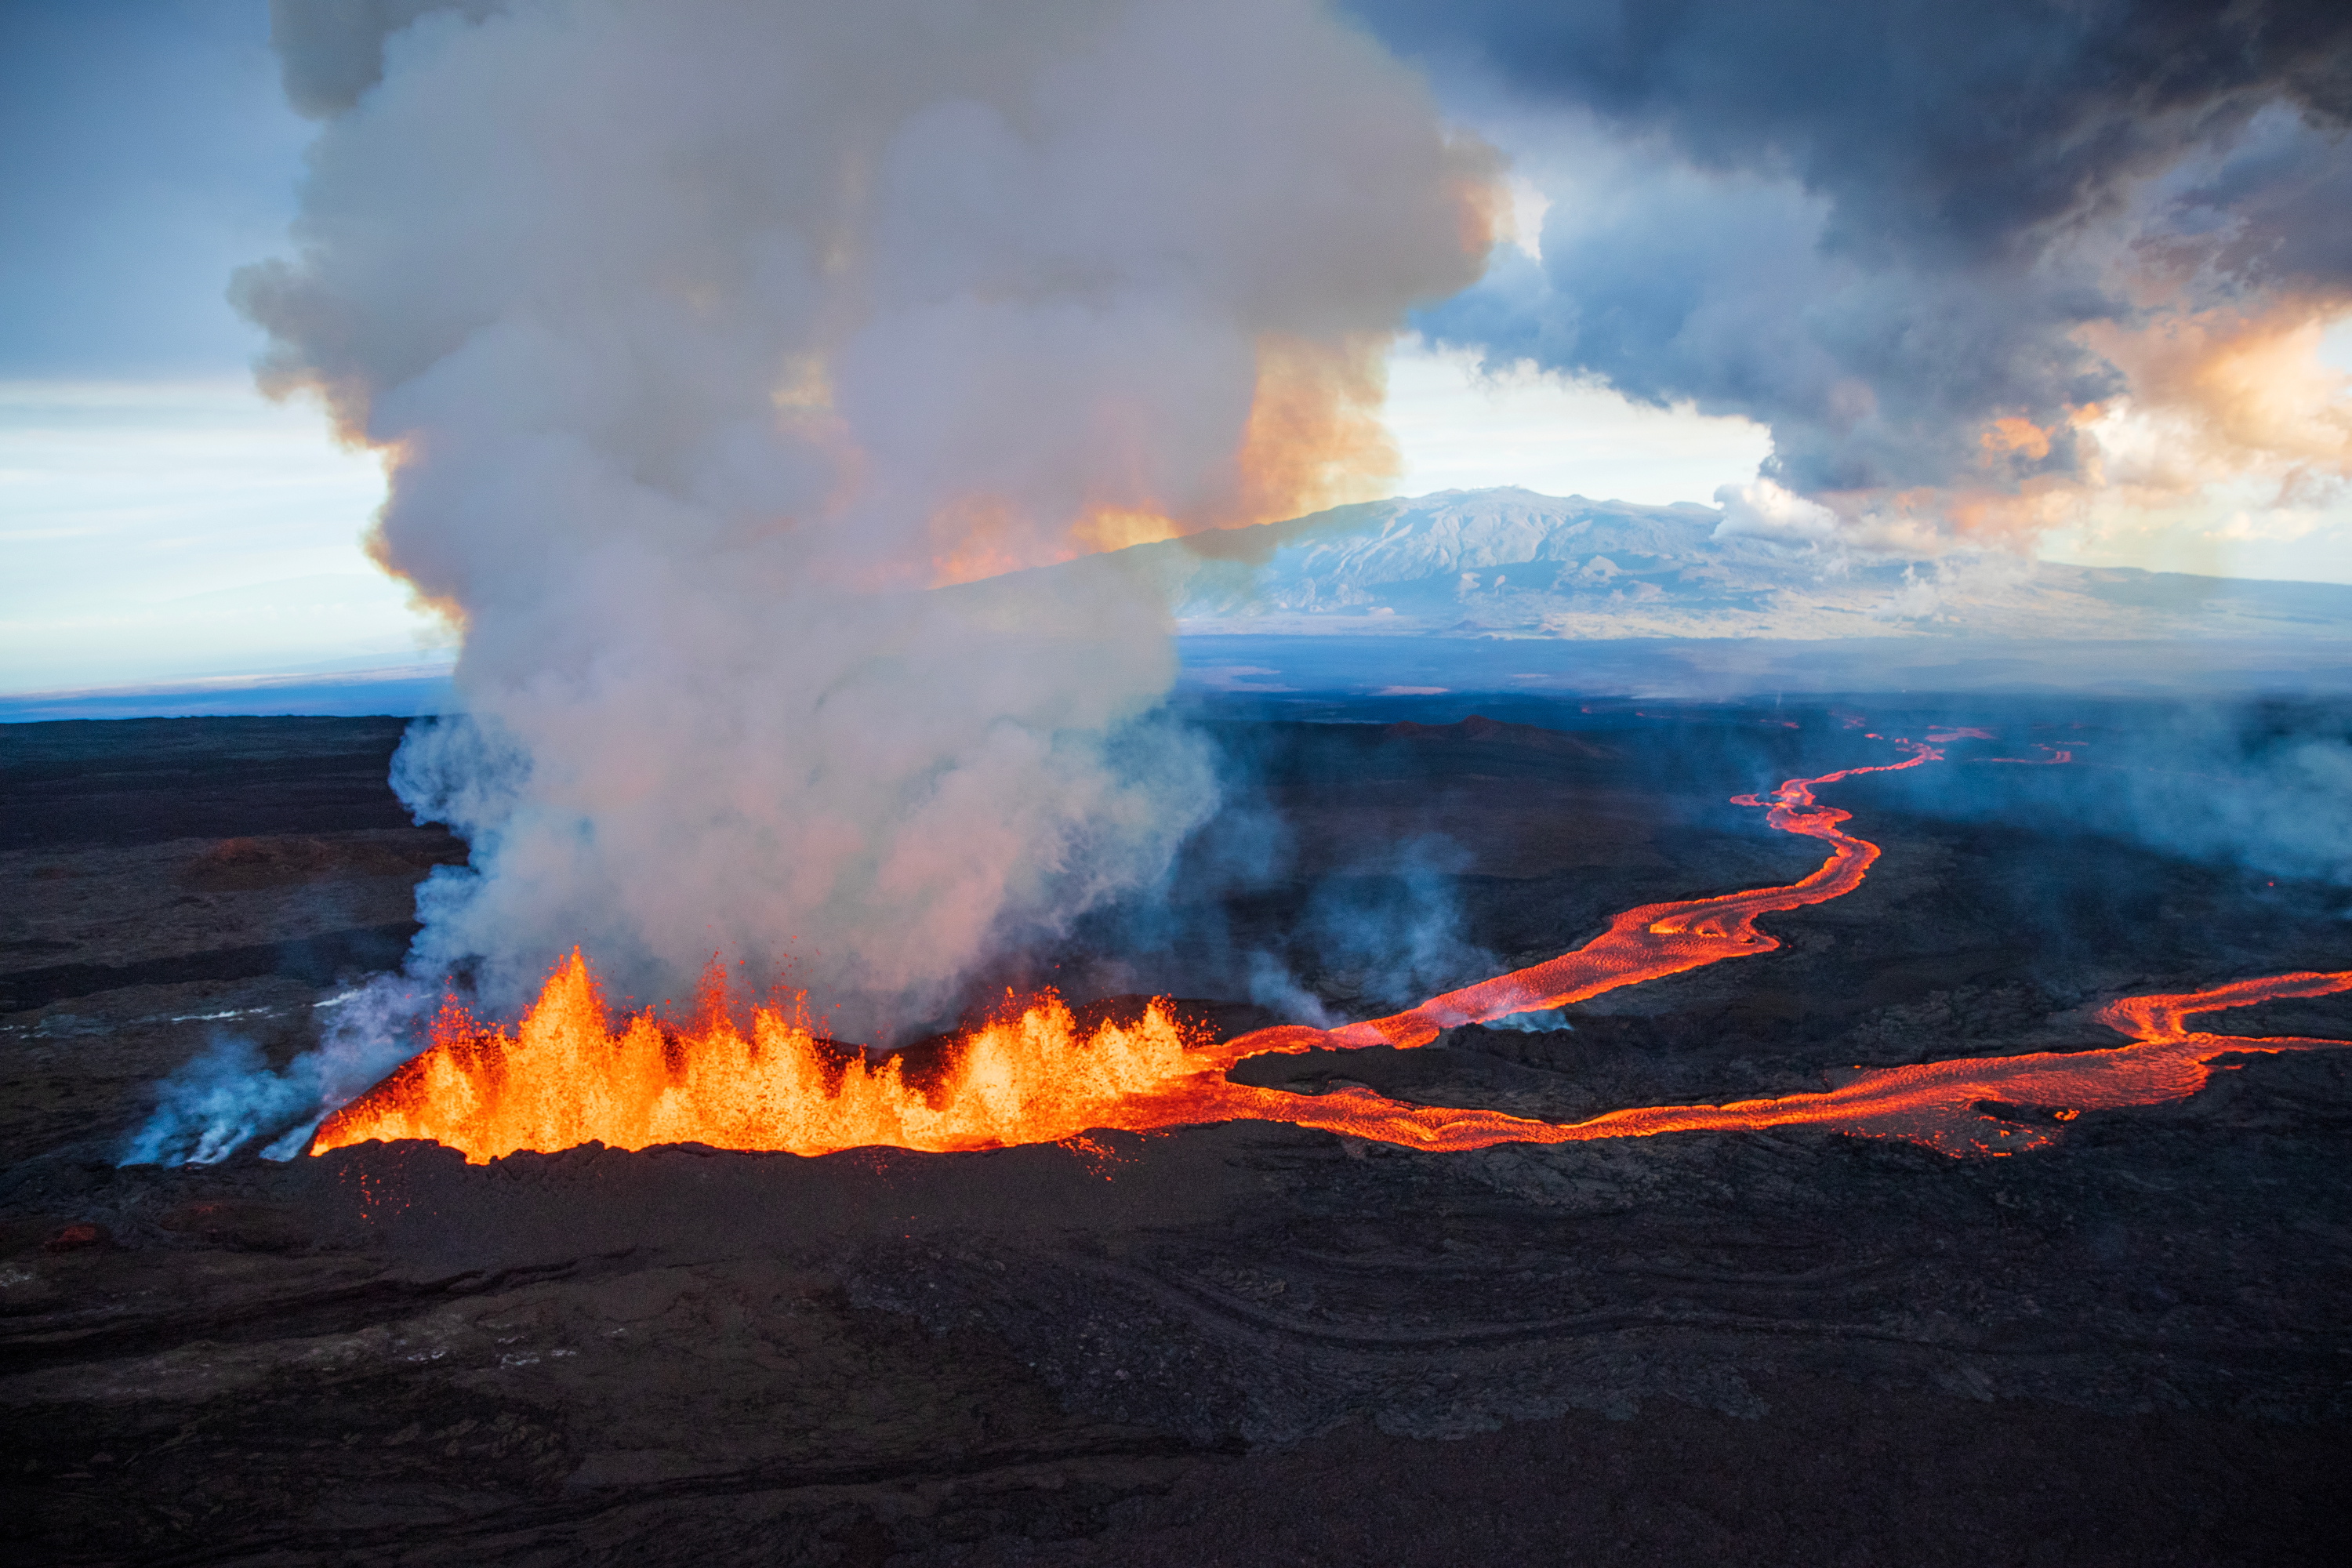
(706, 339)
(1970, 263)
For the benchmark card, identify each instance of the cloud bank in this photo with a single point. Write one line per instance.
(1967, 263)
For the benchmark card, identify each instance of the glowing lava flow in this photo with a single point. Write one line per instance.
(1935, 1103)
(1646, 943)
(565, 1078)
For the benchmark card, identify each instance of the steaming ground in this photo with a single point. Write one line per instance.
(1237, 1343)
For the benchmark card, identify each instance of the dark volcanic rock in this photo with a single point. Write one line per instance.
(1233, 1344)
(318, 959)
(144, 781)
(74, 1237)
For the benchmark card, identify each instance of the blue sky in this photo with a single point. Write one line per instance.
(162, 521)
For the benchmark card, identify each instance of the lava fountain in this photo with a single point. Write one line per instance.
(567, 1076)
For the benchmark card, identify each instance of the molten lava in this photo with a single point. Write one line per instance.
(567, 1076)
(1939, 1104)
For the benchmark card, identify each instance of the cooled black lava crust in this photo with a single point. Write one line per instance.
(1236, 1344)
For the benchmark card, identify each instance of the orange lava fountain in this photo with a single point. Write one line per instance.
(566, 1077)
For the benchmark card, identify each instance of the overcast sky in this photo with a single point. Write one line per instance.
(163, 520)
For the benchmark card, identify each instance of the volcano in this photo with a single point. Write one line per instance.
(568, 1079)
(1512, 564)
(1712, 1107)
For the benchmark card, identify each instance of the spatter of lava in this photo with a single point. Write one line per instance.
(567, 1076)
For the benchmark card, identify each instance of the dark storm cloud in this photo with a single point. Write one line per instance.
(1951, 130)
(1878, 226)
(2283, 217)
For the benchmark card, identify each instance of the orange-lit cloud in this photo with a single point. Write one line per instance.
(1313, 438)
(2223, 393)
(2210, 396)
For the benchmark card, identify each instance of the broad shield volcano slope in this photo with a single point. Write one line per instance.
(1511, 564)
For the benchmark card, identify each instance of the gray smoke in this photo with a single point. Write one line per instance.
(229, 1097)
(705, 338)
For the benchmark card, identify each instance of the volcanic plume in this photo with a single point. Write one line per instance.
(702, 339)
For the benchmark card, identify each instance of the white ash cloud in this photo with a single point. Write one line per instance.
(705, 338)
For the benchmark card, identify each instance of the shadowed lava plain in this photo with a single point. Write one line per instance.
(1231, 1345)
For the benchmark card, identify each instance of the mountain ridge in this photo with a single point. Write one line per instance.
(1510, 562)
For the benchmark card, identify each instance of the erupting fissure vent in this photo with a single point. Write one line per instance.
(566, 1077)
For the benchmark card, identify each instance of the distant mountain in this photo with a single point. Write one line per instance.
(1511, 564)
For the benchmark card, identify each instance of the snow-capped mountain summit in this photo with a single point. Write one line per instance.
(1513, 563)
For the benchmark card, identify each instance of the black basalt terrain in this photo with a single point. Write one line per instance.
(1238, 1344)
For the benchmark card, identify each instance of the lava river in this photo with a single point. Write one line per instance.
(568, 1075)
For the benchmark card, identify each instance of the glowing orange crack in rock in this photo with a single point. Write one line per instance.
(565, 1078)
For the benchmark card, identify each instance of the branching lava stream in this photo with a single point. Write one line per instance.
(566, 1077)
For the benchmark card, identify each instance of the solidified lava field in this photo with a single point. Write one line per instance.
(1234, 1343)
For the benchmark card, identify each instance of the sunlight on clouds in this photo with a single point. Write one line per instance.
(158, 531)
(1528, 206)
(2234, 529)
(2251, 485)
(2335, 345)
(1456, 431)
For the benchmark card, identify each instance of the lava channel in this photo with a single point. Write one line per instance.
(567, 1076)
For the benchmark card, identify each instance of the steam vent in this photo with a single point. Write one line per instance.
(969, 782)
